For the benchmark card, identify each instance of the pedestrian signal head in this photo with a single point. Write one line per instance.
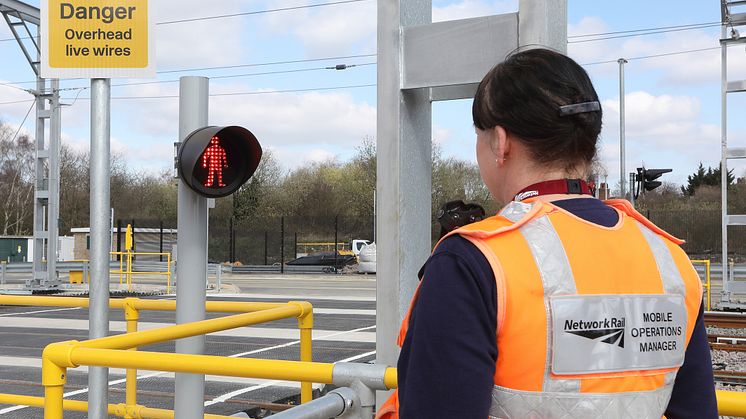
(216, 161)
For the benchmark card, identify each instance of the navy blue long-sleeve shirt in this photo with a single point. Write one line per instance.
(447, 361)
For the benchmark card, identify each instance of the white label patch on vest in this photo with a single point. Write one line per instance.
(600, 333)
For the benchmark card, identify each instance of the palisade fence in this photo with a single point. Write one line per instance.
(270, 240)
(701, 230)
(274, 240)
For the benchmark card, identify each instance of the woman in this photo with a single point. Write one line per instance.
(560, 306)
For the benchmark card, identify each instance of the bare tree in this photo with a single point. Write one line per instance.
(16, 181)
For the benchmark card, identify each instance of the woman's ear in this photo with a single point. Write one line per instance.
(501, 144)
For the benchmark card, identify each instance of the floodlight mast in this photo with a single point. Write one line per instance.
(19, 15)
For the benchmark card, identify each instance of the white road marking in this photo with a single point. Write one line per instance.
(245, 332)
(327, 336)
(39, 311)
(228, 396)
(302, 297)
(356, 357)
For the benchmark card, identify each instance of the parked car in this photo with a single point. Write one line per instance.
(325, 259)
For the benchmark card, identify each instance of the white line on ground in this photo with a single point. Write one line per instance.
(230, 395)
(39, 311)
(296, 297)
(245, 332)
(226, 396)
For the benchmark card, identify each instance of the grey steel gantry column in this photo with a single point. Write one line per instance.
(731, 22)
(19, 15)
(191, 266)
(420, 62)
(98, 310)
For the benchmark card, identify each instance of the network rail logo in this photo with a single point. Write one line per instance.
(608, 330)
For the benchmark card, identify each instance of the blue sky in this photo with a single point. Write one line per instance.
(673, 111)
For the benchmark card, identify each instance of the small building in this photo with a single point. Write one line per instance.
(16, 249)
(149, 240)
(21, 248)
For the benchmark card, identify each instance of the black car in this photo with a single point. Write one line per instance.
(324, 259)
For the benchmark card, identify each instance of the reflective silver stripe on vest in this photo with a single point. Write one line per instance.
(557, 279)
(515, 211)
(673, 283)
(515, 404)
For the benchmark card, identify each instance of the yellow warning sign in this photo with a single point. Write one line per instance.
(97, 38)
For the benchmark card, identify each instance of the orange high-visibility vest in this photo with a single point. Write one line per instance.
(592, 321)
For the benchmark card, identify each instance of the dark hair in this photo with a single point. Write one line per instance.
(523, 94)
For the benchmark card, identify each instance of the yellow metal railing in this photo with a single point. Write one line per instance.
(126, 262)
(252, 313)
(126, 270)
(707, 284)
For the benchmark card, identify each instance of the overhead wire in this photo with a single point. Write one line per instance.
(259, 12)
(633, 35)
(260, 92)
(232, 66)
(644, 57)
(250, 13)
(23, 122)
(641, 31)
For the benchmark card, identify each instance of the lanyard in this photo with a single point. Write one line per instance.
(558, 186)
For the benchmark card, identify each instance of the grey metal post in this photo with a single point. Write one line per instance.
(632, 189)
(403, 185)
(725, 293)
(419, 62)
(53, 204)
(98, 312)
(622, 147)
(3, 267)
(191, 270)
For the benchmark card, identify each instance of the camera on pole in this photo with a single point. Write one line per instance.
(646, 178)
(216, 161)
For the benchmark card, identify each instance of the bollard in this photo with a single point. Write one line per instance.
(3, 267)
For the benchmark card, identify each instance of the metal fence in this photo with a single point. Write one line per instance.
(701, 230)
(272, 240)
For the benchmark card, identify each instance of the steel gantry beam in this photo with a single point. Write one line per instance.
(420, 62)
(19, 16)
(731, 22)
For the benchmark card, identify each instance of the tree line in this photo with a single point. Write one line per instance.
(321, 189)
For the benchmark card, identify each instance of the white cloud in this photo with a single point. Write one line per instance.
(294, 157)
(680, 69)
(473, 8)
(198, 43)
(661, 130)
(331, 123)
(326, 31)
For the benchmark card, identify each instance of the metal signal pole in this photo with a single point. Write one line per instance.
(622, 147)
(191, 268)
(98, 311)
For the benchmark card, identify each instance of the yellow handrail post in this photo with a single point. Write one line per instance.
(305, 324)
(707, 284)
(131, 316)
(53, 378)
(168, 276)
(129, 270)
(121, 268)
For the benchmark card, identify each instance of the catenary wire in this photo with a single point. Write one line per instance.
(24, 121)
(259, 12)
(631, 35)
(688, 26)
(263, 64)
(255, 12)
(644, 57)
(261, 92)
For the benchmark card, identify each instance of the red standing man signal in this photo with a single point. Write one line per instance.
(214, 160)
